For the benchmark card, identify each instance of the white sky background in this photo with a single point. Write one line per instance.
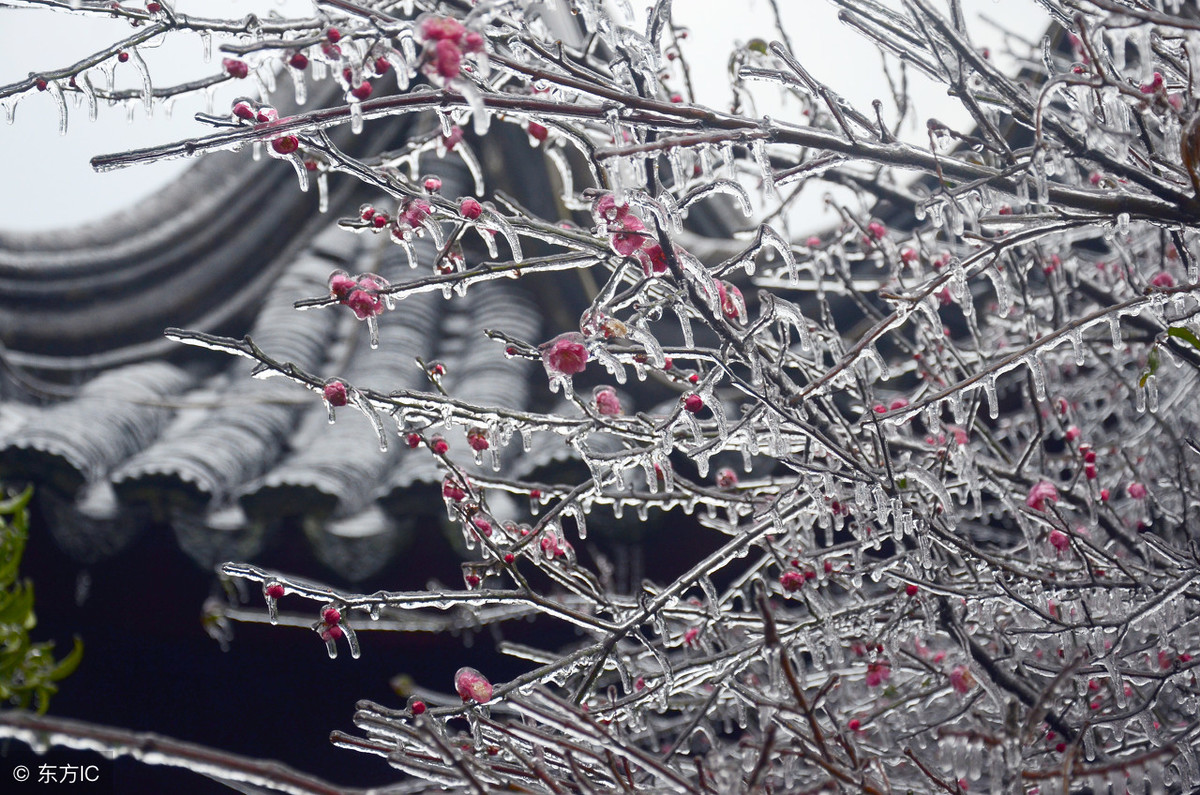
(46, 181)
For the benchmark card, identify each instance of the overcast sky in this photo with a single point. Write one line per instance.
(49, 183)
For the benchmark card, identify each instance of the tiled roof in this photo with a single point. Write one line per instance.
(117, 425)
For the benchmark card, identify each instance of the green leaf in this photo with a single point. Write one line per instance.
(1185, 334)
(28, 670)
(12, 545)
(1151, 367)
(18, 609)
(43, 694)
(17, 503)
(67, 665)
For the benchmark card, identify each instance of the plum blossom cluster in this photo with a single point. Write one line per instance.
(931, 478)
(446, 42)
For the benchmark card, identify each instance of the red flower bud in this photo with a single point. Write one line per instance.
(286, 144)
(242, 110)
(335, 393)
(447, 59)
(450, 141)
(477, 439)
(233, 68)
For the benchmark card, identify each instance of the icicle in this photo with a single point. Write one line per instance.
(301, 172)
(1039, 377)
(759, 151)
(788, 313)
(870, 354)
(1076, 336)
(373, 329)
(299, 86)
(685, 324)
(147, 86)
(89, 93)
(1152, 394)
(989, 389)
(467, 155)
(612, 117)
(481, 120)
(60, 103)
(580, 523)
(205, 46)
(936, 487)
(322, 192)
(563, 168)
(496, 221)
(356, 118)
(772, 239)
(722, 186)
(1037, 168)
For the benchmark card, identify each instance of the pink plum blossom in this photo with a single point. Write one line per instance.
(630, 237)
(607, 402)
(878, 672)
(472, 686)
(1042, 492)
(566, 354)
(654, 260)
(791, 580)
(1059, 540)
(961, 679)
(733, 305)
